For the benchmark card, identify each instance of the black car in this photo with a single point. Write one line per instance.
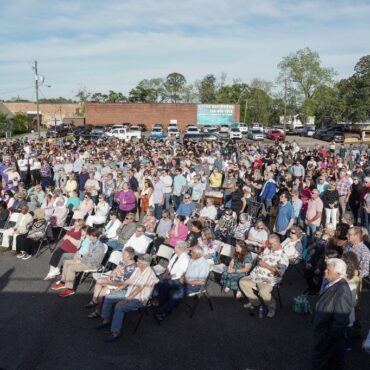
(57, 131)
(331, 135)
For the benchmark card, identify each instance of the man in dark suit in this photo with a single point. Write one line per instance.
(331, 318)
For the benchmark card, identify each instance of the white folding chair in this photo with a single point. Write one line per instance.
(12, 220)
(115, 258)
(164, 252)
(227, 251)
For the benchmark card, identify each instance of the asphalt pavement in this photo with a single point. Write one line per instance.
(39, 330)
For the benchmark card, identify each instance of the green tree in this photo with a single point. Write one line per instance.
(3, 123)
(20, 123)
(99, 97)
(175, 83)
(83, 96)
(116, 97)
(355, 91)
(304, 70)
(207, 89)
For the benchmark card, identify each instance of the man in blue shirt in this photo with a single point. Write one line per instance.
(285, 215)
(195, 277)
(179, 183)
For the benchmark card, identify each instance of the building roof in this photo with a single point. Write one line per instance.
(5, 110)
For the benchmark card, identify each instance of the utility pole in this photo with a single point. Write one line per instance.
(37, 100)
(285, 101)
(245, 110)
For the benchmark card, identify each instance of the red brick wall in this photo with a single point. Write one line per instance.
(148, 114)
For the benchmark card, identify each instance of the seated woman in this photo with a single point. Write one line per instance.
(242, 228)
(85, 208)
(47, 205)
(207, 242)
(238, 267)
(257, 236)
(292, 246)
(109, 286)
(186, 207)
(149, 221)
(101, 212)
(179, 231)
(27, 243)
(91, 260)
(57, 219)
(70, 244)
(225, 226)
(73, 201)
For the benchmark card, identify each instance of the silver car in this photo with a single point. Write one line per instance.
(255, 134)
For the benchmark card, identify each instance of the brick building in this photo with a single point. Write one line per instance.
(148, 114)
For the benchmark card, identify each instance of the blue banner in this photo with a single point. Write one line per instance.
(215, 114)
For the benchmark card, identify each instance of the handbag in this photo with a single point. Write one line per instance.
(301, 305)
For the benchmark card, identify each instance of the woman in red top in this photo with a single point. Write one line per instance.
(70, 244)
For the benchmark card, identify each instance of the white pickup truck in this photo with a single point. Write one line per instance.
(123, 134)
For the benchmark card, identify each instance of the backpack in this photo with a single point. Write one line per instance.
(301, 305)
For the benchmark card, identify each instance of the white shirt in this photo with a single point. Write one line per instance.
(22, 164)
(167, 181)
(111, 229)
(210, 212)
(178, 265)
(140, 244)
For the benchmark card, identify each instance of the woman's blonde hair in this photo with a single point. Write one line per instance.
(39, 214)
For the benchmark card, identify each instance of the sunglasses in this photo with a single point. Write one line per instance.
(128, 218)
(293, 232)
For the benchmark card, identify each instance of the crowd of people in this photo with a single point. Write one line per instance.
(277, 205)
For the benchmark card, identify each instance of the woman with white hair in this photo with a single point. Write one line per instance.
(331, 318)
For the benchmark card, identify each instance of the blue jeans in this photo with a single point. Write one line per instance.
(176, 199)
(109, 302)
(119, 313)
(115, 245)
(158, 211)
(177, 294)
(82, 195)
(310, 230)
(167, 201)
(164, 288)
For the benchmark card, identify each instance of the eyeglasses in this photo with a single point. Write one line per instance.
(128, 218)
(186, 197)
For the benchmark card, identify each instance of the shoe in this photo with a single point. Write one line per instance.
(102, 325)
(66, 293)
(249, 305)
(91, 304)
(238, 295)
(14, 253)
(49, 277)
(271, 314)
(4, 249)
(111, 338)
(58, 286)
(226, 290)
(26, 257)
(160, 316)
(21, 255)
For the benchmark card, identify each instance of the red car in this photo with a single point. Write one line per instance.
(275, 135)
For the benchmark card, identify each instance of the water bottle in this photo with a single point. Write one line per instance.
(260, 313)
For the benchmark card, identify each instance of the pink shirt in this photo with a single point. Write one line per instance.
(314, 206)
(182, 234)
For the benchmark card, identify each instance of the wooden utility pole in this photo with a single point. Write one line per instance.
(285, 101)
(37, 100)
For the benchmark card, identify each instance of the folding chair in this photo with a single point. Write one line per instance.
(226, 251)
(83, 275)
(254, 210)
(277, 288)
(44, 239)
(197, 296)
(142, 311)
(12, 220)
(114, 259)
(164, 252)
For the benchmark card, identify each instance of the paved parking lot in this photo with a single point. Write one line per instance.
(39, 330)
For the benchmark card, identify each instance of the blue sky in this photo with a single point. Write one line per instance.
(112, 45)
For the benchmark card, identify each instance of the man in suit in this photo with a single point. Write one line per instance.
(331, 318)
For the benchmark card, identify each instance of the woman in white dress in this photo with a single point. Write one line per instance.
(101, 212)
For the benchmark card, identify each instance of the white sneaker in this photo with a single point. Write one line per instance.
(21, 255)
(226, 290)
(27, 256)
(49, 277)
(271, 314)
(248, 305)
(238, 295)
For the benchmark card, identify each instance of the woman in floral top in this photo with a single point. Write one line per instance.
(238, 267)
(45, 173)
(111, 283)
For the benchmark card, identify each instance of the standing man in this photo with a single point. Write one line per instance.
(179, 184)
(331, 318)
(285, 215)
(268, 191)
(343, 187)
(159, 196)
(167, 181)
(314, 212)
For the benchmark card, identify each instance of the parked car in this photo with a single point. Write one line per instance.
(212, 129)
(235, 134)
(57, 131)
(319, 132)
(173, 131)
(333, 135)
(202, 136)
(135, 128)
(224, 129)
(123, 134)
(157, 134)
(275, 134)
(243, 127)
(141, 127)
(255, 134)
(98, 130)
(308, 131)
(192, 130)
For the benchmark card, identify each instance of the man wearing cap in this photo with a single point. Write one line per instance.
(331, 318)
(139, 290)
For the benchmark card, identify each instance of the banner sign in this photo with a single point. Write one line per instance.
(215, 114)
